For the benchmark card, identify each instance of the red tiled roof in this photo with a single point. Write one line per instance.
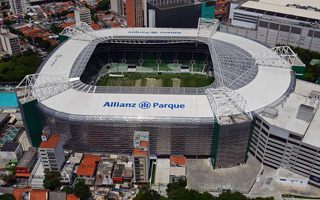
(88, 165)
(138, 152)
(27, 31)
(17, 192)
(66, 24)
(51, 142)
(178, 160)
(23, 174)
(115, 25)
(72, 197)
(70, 15)
(95, 26)
(144, 143)
(37, 194)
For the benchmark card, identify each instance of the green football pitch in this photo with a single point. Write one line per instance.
(156, 80)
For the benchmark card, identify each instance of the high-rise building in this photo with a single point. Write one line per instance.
(4, 2)
(117, 6)
(18, 6)
(221, 9)
(83, 15)
(51, 152)
(141, 156)
(10, 43)
(135, 13)
(179, 13)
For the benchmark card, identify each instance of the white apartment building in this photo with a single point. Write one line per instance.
(10, 43)
(18, 6)
(272, 22)
(83, 15)
(117, 6)
(51, 152)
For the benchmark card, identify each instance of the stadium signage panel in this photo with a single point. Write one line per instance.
(155, 32)
(143, 105)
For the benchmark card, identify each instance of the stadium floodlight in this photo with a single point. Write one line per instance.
(81, 31)
(41, 87)
(281, 57)
(225, 102)
(286, 53)
(207, 27)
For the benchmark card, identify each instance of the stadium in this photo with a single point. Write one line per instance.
(195, 91)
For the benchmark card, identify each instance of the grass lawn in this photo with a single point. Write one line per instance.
(130, 78)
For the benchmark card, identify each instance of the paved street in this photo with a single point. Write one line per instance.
(202, 177)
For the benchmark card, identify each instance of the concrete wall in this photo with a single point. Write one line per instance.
(275, 148)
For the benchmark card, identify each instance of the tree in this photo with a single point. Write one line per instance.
(176, 185)
(5, 14)
(55, 29)
(9, 179)
(68, 190)
(146, 194)
(37, 40)
(208, 196)
(233, 196)
(311, 73)
(7, 196)
(52, 16)
(8, 22)
(82, 191)
(185, 194)
(51, 180)
(308, 76)
(44, 44)
(15, 68)
(103, 5)
(27, 17)
(179, 194)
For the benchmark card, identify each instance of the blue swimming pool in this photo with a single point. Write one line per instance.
(8, 100)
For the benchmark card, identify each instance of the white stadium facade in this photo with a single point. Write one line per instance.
(217, 121)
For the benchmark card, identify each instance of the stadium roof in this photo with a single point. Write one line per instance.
(284, 8)
(312, 3)
(268, 86)
(94, 104)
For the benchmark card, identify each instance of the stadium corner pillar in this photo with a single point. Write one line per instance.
(299, 71)
(62, 38)
(32, 121)
(231, 140)
(250, 138)
(215, 142)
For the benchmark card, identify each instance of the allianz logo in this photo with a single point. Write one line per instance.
(143, 105)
